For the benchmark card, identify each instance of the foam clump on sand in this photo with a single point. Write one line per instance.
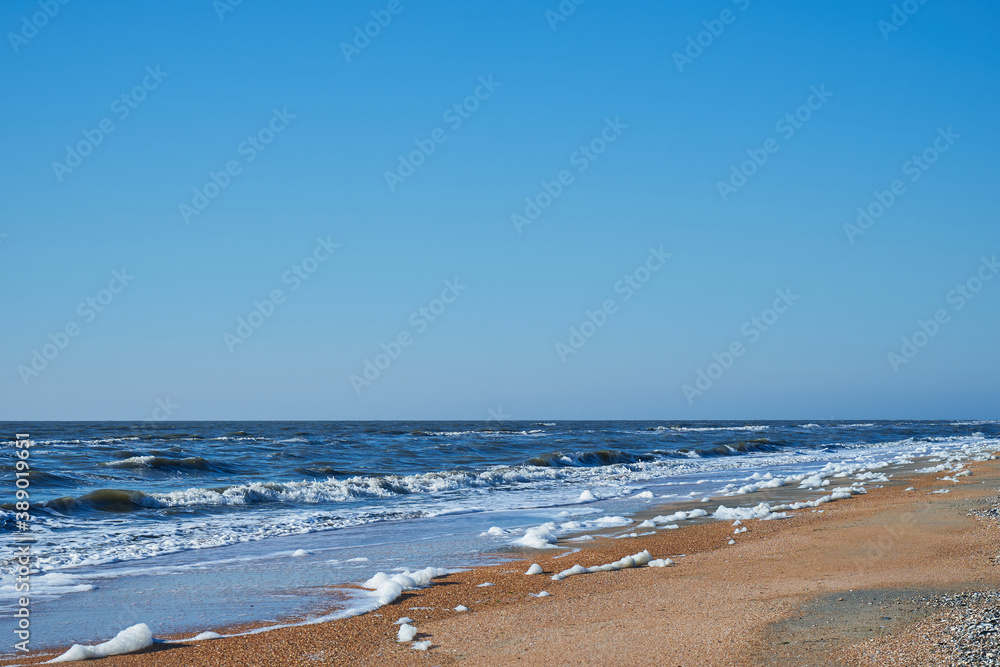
(405, 619)
(760, 511)
(540, 537)
(543, 594)
(535, 569)
(406, 633)
(129, 640)
(388, 589)
(766, 511)
(205, 636)
(814, 480)
(677, 516)
(485, 584)
(422, 646)
(660, 562)
(636, 560)
(461, 607)
(546, 535)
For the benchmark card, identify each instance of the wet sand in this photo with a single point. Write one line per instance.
(830, 587)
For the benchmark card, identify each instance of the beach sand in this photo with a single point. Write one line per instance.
(843, 586)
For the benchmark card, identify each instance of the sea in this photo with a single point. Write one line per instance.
(195, 526)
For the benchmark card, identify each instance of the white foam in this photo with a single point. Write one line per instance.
(540, 537)
(636, 560)
(406, 633)
(129, 640)
(546, 535)
(461, 607)
(388, 589)
(535, 569)
(760, 511)
(422, 646)
(484, 584)
(404, 619)
(644, 495)
(205, 636)
(543, 594)
(661, 562)
(587, 496)
(130, 462)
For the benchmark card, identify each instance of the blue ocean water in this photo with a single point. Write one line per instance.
(121, 509)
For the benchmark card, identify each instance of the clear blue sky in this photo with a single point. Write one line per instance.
(672, 129)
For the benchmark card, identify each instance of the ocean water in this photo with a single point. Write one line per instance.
(190, 526)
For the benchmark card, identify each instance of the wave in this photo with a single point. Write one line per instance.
(600, 457)
(308, 491)
(485, 431)
(40, 478)
(197, 463)
(761, 445)
(105, 500)
(703, 429)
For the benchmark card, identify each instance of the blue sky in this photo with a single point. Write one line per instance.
(202, 85)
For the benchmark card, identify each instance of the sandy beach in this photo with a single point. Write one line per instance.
(852, 583)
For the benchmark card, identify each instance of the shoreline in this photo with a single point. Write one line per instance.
(751, 587)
